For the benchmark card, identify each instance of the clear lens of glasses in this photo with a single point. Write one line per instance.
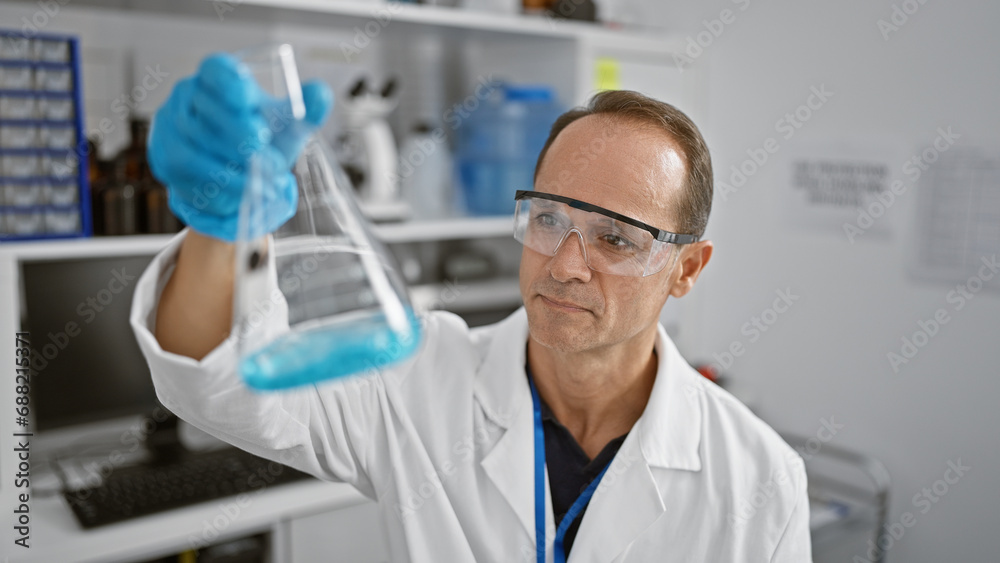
(609, 246)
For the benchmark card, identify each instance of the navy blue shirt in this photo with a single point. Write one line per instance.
(570, 470)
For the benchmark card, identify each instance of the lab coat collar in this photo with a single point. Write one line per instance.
(667, 436)
(501, 387)
(670, 428)
(634, 491)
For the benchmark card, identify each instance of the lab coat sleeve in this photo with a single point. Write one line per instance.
(795, 544)
(300, 428)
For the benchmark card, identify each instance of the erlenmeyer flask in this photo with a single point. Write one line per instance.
(346, 305)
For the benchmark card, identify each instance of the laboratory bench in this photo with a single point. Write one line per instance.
(287, 516)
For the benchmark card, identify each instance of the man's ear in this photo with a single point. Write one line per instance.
(693, 259)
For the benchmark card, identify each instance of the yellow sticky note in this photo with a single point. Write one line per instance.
(607, 74)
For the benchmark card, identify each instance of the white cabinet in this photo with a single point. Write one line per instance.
(349, 535)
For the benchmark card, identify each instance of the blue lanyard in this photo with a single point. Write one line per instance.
(578, 504)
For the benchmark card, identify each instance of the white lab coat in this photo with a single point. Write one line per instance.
(444, 443)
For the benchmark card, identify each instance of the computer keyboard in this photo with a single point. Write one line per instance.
(141, 490)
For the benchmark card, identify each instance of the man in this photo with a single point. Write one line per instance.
(573, 428)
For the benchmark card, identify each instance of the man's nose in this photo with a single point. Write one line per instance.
(570, 259)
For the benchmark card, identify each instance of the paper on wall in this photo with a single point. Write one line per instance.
(835, 188)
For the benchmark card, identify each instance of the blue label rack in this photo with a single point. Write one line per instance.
(44, 177)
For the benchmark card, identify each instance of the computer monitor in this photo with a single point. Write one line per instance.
(87, 364)
(73, 298)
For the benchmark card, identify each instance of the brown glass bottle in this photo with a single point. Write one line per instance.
(135, 153)
(157, 217)
(154, 216)
(101, 173)
(118, 201)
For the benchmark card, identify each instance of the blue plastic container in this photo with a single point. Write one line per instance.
(499, 144)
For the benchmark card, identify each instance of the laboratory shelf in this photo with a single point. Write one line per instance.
(461, 296)
(448, 17)
(459, 228)
(351, 13)
(446, 229)
(39, 249)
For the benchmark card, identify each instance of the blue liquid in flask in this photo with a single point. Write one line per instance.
(342, 348)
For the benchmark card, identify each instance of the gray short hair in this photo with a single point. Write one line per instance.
(626, 105)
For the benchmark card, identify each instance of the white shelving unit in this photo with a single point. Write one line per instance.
(176, 33)
(467, 296)
(457, 228)
(351, 12)
(445, 229)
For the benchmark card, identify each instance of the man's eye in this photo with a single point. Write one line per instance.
(546, 220)
(617, 242)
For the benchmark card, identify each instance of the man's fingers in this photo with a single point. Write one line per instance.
(230, 81)
(318, 100)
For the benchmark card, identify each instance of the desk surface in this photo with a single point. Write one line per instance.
(57, 536)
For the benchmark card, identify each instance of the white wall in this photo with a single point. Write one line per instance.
(827, 355)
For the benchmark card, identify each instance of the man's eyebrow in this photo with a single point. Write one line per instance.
(593, 217)
(599, 219)
(545, 203)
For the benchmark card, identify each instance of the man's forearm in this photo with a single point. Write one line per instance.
(196, 307)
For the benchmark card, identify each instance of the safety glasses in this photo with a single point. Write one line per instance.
(612, 243)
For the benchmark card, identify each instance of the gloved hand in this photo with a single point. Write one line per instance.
(203, 139)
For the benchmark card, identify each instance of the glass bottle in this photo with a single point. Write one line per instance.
(117, 202)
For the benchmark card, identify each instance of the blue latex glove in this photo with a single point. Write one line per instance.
(204, 136)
